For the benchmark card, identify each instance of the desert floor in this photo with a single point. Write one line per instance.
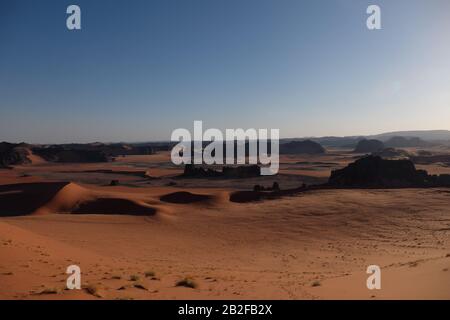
(131, 244)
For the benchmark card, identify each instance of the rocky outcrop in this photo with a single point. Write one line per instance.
(442, 180)
(375, 172)
(368, 172)
(259, 193)
(13, 154)
(67, 155)
(391, 153)
(369, 146)
(193, 171)
(238, 172)
(301, 147)
(17, 154)
(90, 152)
(241, 171)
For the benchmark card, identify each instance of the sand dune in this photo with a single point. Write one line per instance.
(310, 245)
(26, 198)
(64, 197)
(418, 279)
(324, 243)
(35, 159)
(33, 265)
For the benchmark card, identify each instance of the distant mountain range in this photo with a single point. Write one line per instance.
(419, 137)
(426, 135)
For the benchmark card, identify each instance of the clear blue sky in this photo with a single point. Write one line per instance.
(139, 69)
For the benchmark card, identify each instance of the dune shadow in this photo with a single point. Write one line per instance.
(184, 197)
(25, 198)
(113, 206)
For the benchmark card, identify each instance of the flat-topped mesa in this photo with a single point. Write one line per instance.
(375, 172)
(368, 146)
(301, 147)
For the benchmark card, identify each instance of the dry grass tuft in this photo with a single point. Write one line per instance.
(316, 284)
(94, 290)
(187, 282)
(134, 277)
(149, 274)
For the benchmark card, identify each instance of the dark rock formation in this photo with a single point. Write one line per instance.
(241, 146)
(368, 172)
(275, 187)
(261, 193)
(375, 172)
(90, 152)
(258, 188)
(301, 147)
(247, 171)
(391, 153)
(66, 155)
(442, 180)
(241, 171)
(192, 171)
(13, 154)
(369, 146)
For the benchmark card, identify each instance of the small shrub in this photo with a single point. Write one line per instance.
(134, 277)
(149, 274)
(316, 284)
(276, 186)
(187, 282)
(94, 290)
